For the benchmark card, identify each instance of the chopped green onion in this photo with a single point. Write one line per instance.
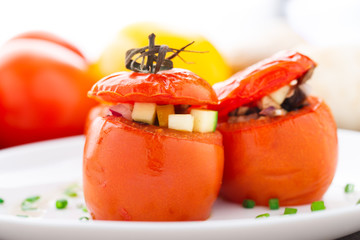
(290, 211)
(317, 206)
(349, 188)
(32, 199)
(71, 194)
(274, 203)
(61, 203)
(24, 216)
(248, 203)
(84, 218)
(265, 215)
(28, 203)
(358, 202)
(1, 201)
(84, 209)
(72, 190)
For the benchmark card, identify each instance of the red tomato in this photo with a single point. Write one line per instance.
(43, 85)
(50, 38)
(261, 79)
(140, 172)
(145, 173)
(292, 157)
(175, 86)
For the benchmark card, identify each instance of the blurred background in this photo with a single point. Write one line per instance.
(242, 32)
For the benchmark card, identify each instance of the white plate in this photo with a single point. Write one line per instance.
(47, 168)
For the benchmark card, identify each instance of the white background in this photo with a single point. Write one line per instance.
(91, 24)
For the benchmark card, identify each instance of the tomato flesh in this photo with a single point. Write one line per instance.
(140, 172)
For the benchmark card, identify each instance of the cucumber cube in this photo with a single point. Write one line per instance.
(144, 112)
(181, 122)
(204, 120)
(163, 112)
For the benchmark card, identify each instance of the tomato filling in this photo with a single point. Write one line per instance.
(288, 98)
(178, 117)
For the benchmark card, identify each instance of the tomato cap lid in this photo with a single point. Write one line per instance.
(175, 86)
(261, 79)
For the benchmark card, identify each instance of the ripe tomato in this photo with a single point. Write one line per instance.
(261, 79)
(211, 66)
(43, 86)
(146, 173)
(292, 157)
(140, 172)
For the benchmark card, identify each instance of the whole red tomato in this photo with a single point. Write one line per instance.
(43, 89)
(140, 172)
(291, 157)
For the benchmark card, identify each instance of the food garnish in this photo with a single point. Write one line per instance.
(289, 211)
(61, 203)
(248, 203)
(29, 203)
(317, 206)
(265, 215)
(274, 204)
(349, 188)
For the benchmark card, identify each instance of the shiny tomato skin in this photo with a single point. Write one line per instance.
(292, 158)
(175, 86)
(43, 90)
(137, 172)
(39, 35)
(261, 79)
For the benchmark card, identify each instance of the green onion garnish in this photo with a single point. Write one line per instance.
(61, 203)
(274, 203)
(358, 202)
(317, 206)
(248, 203)
(24, 216)
(28, 203)
(1, 201)
(84, 209)
(84, 218)
(72, 190)
(265, 215)
(349, 188)
(71, 194)
(290, 211)
(32, 199)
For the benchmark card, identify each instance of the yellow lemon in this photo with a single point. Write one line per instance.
(210, 65)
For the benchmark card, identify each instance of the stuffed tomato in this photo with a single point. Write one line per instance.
(279, 141)
(150, 155)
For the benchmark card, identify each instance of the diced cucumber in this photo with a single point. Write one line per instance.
(204, 120)
(279, 95)
(181, 122)
(163, 112)
(144, 112)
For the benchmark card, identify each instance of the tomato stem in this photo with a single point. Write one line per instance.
(150, 59)
(153, 53)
